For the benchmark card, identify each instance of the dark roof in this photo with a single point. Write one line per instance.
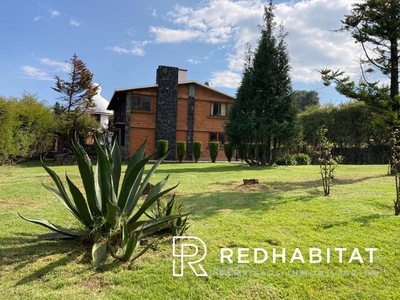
(118, 93)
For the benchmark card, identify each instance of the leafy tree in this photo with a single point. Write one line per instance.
(305, 99)
(375, 25)
(264, 115)
(76, 93)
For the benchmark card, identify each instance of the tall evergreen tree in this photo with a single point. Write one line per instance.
(264, 114)
(76, 93)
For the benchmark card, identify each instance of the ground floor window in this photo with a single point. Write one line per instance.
(217, 137)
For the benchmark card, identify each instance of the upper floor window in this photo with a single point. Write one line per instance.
(141, 102)
(219, 109)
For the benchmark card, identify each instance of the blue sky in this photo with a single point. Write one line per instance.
(123, 42)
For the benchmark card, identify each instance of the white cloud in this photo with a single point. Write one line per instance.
(166, 35)
(226, 79)
(136, 50)
(59, 65)
(194, 61)
(232, 24)
(154, 13)
(74, 22)
(54, 13)
(36, 73)
(37, 18)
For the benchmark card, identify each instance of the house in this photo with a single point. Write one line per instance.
(173, 109)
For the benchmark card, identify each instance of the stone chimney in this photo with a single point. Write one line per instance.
(167, 103)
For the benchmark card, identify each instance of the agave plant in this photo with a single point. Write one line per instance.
(161, 209)
(114, 216)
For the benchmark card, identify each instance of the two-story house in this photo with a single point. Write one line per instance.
(173, 109)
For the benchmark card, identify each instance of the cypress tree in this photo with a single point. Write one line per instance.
(264, 114)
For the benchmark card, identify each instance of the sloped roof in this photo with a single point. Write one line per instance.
(117, 92)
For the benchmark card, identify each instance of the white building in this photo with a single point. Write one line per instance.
(99, 111)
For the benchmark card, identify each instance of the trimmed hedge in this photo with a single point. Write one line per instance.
(162, 148)
(180, 150)
(228, 149)
(214, 148)
(197, 145)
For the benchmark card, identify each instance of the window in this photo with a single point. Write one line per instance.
(217, 137)
(218, 109)
(97, 117)
(140, 102)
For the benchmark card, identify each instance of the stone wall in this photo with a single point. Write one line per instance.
(166, 111)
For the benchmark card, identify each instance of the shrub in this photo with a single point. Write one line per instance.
(327, 162)
(180, 150)
(303, 159)
(197, 145)
(286, 160)
(112, 216)
(214, 148)
(162, 148)
(228, 149)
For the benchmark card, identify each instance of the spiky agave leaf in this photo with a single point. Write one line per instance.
(87, 175)
(51, 226)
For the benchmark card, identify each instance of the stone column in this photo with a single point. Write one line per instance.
(127, 125)
(190, 136)
(167, 103)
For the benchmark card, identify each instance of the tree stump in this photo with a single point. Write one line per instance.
(147, 189)
(250, 181)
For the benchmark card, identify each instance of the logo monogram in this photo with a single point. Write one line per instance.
(186, 249)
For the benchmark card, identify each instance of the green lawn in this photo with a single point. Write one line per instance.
(286, 210)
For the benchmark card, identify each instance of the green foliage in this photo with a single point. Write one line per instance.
(110, 212)
(162, 209)
(327, 162)
(180, 150)
(228, 149)
(350, 125)
(197, 147)
(162, 148)
(27, 128)
(395, 166)
(305, 99)
(286, 160)
(214, 148)
(264, 112)
(374, 25)
(303, 159)
(84, 126)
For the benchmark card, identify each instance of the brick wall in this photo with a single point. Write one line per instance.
(143, 124)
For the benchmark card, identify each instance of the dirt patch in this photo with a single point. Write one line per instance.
(94, 283)
(252, 187)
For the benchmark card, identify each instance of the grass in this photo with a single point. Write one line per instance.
(286, 210)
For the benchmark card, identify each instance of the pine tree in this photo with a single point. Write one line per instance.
(264, 114)
(77, 93)
(375, 25)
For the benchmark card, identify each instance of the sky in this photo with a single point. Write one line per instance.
(123, 42)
